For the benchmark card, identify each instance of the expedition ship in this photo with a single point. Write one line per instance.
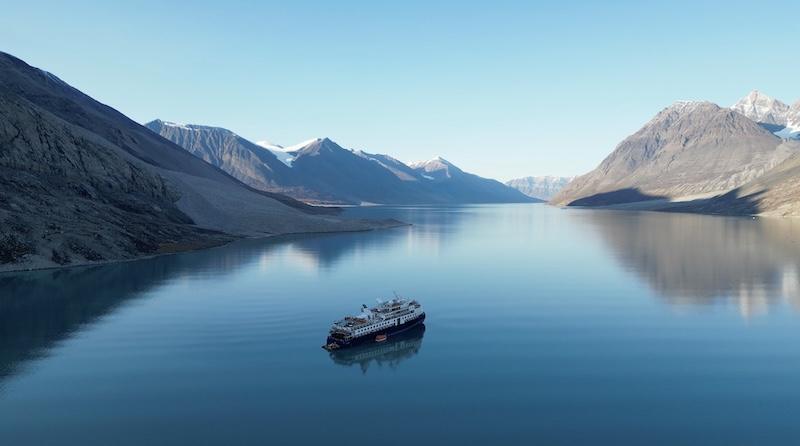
(375, 324)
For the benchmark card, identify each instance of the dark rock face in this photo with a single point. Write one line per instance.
(66, 198)
(82, 183)
(242, 159)
(689, 148)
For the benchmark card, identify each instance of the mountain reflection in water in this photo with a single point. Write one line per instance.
(391, 353)
(545, 325)
(700, 260)
(40, 309)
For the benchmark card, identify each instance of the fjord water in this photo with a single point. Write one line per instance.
(544, 325)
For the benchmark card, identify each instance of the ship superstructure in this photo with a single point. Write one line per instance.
(375, 324)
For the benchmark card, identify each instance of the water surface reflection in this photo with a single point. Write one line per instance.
(700, 260)
(42, 308)
(391, 353)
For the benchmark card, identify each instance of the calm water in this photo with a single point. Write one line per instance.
(544, 326)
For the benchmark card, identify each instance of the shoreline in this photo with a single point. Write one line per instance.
(694, 207)
(234, 238)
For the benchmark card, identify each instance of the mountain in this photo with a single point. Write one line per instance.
(689, 148)
(772, 114)
(81, 183)
(222, 148)
(543, 188)
(250, 163)
(320, 170)
(792, 128)
(762, 108)
(325, 165)
(461, 186)
(776, 193)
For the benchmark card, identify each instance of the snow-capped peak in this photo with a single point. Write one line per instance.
(187, 126)
(435, 162)
(279, 151)
(435, 168)
(687, 106)
(269, 145)
(284, 154)
(180, 125)
(762, 108)
(303, 144)
(287, 155)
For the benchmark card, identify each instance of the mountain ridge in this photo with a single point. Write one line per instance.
(320, 170)
(686, 149)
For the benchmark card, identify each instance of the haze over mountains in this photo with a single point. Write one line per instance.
(543, 188)
(739, 160)
(82, 183)
(322, 171)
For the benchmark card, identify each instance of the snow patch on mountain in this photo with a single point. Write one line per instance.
(791, 131)
(280, 152)
(435, 169)
(269, 145)
(302, 145)
(179, 125)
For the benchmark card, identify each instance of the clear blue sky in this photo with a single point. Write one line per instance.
(503, 89)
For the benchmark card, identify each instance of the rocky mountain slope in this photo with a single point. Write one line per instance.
(543, 188)
(248, 162)
(82, 183)
(222, 148)
(457, 185)
(776, 193)
(320, 170)
(689, 148)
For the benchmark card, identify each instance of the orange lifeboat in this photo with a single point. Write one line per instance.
(380, 338)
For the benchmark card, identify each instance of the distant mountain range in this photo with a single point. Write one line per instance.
(82, 183)
(740, 160)
(322, 171)
(542, 188)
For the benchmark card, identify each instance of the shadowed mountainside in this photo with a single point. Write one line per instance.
(776, 193)
(82, 183)
(630, 195)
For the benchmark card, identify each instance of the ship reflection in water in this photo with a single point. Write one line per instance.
(391, 353)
